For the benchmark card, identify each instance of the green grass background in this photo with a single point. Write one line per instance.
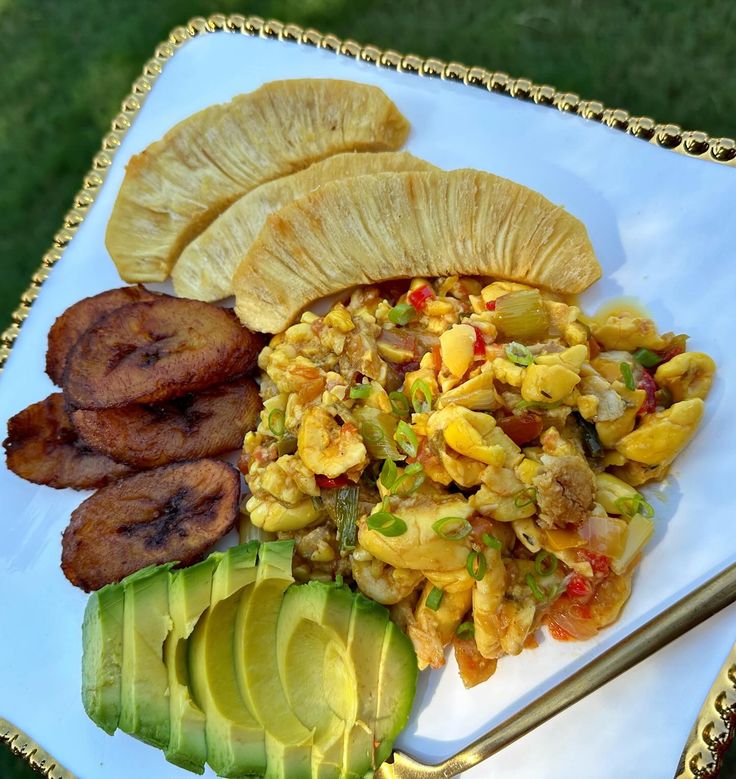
(65, 66)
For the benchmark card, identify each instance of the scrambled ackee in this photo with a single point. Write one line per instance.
(468, 454)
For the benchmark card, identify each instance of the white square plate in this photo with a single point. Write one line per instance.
(663, 228)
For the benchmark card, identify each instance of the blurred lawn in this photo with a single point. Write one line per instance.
(67, 65)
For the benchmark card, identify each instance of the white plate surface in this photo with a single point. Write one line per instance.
(663, 229)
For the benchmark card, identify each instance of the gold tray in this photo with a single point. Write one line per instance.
(715, 727)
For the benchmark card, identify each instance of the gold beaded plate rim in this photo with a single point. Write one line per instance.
(715, 726)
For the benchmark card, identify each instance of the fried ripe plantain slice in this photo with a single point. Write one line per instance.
(78, 318)
(153, 351)
(43, 447)
(175, 513)
(185, 428)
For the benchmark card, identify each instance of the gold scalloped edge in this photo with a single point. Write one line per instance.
(24, 747)
(714, 729)
(669, 136)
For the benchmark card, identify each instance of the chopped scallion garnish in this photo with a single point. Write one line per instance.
(465, 630)
(371, 433)
(399, 403)
(591, 442)
(410, 480)
(476, 565)
(545, 563)
(277, 422)
(435, 598)
(346, 516)
(519, 354)
(389, 474)
(525, 497)
(533, 585)
(491, 541)
(406, 438)
(634, 504)
(536, 405)
(452, 528)
(627, 375)
(387, 524)
(402, 314)
(421, 396)
(647, 357)
(360, 391)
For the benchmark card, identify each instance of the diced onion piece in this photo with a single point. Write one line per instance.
(640, 530)
(604, 535)
(521, 315)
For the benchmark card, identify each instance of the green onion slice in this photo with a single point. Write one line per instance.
(525, 497)
(410, 480)
(402, 314)
(387, 524)
(287, 444)
(399, 403)
(627, 375)
(646, 357)
(465, 630)
(389, 474)
(360, 391)
(537, 405)
(491, 541)
(421, 396)
(346, 519)
(277, 422)
(476, 565)
(519, 354)
(406, 438)
(339, 581)
(371, 433)
(545, 563)
(435, 598)
(452, 528)
(589, 435)
(634, 504)
(537, 591)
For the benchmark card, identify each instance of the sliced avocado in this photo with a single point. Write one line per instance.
(316, 670)
(102, 658)
(189, 596)
(234, 737)
(144, 700)
(396, 689)
(365, 643)
(288, 741)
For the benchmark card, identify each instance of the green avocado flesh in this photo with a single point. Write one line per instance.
(235, 738)
(144, 683)
(190, 591)
(230, 663)
(102, 636)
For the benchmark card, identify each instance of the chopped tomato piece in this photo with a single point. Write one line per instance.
(579, 587)
(600, 563)
(677, 346)
(521, 428)
(418, 297)
(558, 633)
(325, 482)
(491, 305)
(649, 386)
(480, 345)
